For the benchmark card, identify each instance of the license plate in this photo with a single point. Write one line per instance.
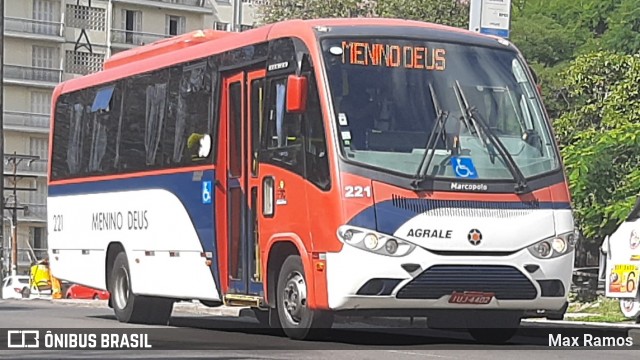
(471, 297)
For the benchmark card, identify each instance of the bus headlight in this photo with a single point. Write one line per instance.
(559, 245)
(554, 247)
(374, 241)
(391, 246)
(370, 241)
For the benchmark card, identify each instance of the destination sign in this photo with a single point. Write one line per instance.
(393, 56)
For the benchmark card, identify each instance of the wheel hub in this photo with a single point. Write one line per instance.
(295, 297)
(121, 290)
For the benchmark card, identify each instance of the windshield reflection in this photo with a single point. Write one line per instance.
(384, 90)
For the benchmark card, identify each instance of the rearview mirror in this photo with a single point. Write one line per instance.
(296, 93)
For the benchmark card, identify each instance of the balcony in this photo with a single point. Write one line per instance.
(198, 6)
(33, 213)
(129, 39)
(26, 122)
(33, 29)
(37, 167)
(28, 75)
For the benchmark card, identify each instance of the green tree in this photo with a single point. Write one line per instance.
(279, 10)
(446, 12)
(600, 139)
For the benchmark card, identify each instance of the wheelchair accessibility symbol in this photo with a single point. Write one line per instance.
(206, 192)
(463, 168)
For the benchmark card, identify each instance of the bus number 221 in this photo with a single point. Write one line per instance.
(357, 191)
(57, 222)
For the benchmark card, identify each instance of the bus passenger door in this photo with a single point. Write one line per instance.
(255, 113)
(231, 196)
(237, 184)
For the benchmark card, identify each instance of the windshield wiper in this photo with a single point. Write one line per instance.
(441, 120)
(473, 115)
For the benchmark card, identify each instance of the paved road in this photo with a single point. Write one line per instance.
(242, 338)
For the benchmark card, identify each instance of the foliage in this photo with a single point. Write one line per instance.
(600, 139)
(602, 310)
(449, 12)
(445, 12)
(278, 10)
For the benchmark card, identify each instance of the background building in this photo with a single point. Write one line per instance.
(49, 41)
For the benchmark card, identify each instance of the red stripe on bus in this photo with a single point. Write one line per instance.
(131, 175)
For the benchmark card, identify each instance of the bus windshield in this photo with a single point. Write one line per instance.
(392, 95)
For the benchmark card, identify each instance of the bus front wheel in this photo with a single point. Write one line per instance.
(132, 308)
(297, 320)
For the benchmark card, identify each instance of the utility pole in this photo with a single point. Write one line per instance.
(236, 18)
(14, 221)
(2, 254)
(15, 160)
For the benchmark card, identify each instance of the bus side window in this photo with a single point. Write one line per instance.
(317, 161)
(283, 140)
(105, 111)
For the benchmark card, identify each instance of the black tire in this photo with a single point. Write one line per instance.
(132, 308)
(69, 296)
(297, 320)
(96, 297)
(25, 293)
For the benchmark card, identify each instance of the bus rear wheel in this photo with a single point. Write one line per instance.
(132, 308)
(297, 320)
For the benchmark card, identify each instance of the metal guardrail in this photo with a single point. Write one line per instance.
(32, 26)
(25, 119)
(120, 36)
(18, 72)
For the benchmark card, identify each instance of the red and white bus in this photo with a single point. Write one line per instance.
(314, 168)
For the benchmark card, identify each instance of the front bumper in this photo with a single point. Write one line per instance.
(359, 280)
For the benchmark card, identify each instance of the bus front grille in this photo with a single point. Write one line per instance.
(465, 208)
(507, 282)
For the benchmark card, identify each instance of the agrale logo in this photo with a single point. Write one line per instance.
(474, 237)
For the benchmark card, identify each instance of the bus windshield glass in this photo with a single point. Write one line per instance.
(392, 95)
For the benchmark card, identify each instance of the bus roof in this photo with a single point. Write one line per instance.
(202, 43)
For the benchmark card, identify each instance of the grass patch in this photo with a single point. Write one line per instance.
(601, 310)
